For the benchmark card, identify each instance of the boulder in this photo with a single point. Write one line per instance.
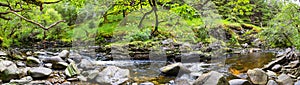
(284, 79)
(8, 70)
(211, 78)
(92, 74)
(272, 82)
(64, 54)
(32, 62)
(257, 76)
(53, 59)
(276, 67)
(40, 72)
(271, 74)
(113, 75)
(174, 69)
(76, 57)
(239, 82)
(86, 64)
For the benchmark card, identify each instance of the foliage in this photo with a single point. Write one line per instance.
(284, 28)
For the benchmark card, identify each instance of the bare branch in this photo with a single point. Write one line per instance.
(36, 23)
(55, 23)
(51, 2)
(3, 4)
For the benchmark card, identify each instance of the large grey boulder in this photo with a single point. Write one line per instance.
(8, 70)
(258, 76)
(284, 79)
(174, 69)
(239, 82)
(211, 78)
(64, 54)
(53, 59)
(40, 72)
(113, 75)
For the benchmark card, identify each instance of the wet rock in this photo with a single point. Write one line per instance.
(276, 67)
(270, 65)
(194, 57)
(42, 82)
(82, 78)
(76, 57)
(23, 71)
(174, 69)
(113, 75)
(272, 82)
(48, 65)
(71, 70)
(53, 59)
(242, 76)
(2, 53)
(22, 81)
(147, 83)
(40, 72)
(297, 82)
(239, 82)
(211, 78)
(8, 70)
(271, 74)
(284, 79)
(182, 82)
(257, 76)
(293, 64)
(92, 74)
(64, 54)
(60, 65)
(32, 62)
(86, 64)
(66, 83)
(21, 64)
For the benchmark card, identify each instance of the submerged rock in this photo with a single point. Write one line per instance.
(211, 78)
(174, 69)
(239, 82)
(113, 75)
(258, 76)
(284, 79)
(40, 72)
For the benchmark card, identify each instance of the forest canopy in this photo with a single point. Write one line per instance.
(275, 23)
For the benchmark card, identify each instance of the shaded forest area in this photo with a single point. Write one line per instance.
(272, 23)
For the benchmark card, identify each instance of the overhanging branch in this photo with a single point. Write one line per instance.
(36, 23)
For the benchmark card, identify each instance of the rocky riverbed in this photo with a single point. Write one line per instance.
(142, 66)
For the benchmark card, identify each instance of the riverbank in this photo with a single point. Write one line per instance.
(105, 66)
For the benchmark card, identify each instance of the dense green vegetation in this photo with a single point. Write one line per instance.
(275, 23)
